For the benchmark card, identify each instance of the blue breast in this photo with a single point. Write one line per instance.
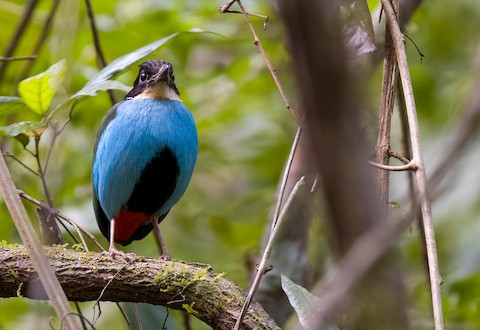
(137, 131)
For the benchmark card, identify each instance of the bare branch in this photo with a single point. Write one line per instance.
(26, 18)
(265, 261)
(63, 217)
(259, 45)
(41, 39)
(390, 73)
(17, 58)
(96, 41)
(30, 239)
(435, 278)
(411, 166)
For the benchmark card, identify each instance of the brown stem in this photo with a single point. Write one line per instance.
(41, 39)
(17, 58)
(26, 18)
(390, 73)
(96, 42)
(270, 67)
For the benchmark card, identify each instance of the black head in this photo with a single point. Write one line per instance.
(155, 76)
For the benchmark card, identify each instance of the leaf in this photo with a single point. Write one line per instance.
(100, 85)
(122, 63)
(101, 81)
(358, 32)
(23, 139)
(29, 128)
(37, 91)
(305, 304)
(11, 104)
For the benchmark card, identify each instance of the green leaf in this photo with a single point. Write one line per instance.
(11, 104)
(101, 81)
(305, 304)
(91, 89)
(124, 62)
(358, 30)
(23, 139)
(29, 128)
(37, 92)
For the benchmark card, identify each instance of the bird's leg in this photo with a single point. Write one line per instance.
(112, 249)
(161, 243)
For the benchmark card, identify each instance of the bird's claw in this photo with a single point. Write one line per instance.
(113, 252)
(165, 256)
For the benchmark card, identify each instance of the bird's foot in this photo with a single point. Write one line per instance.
(165, 256)
(112, 250)
(128, 257)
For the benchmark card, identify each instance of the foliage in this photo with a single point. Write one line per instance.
(244, 131)
(304, 303)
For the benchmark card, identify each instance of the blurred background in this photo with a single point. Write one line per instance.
(245, 134)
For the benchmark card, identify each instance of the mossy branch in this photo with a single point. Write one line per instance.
(89, 276)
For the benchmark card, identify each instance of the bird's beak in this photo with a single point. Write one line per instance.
(163, 74)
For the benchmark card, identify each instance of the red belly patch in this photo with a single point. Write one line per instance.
(127, 223)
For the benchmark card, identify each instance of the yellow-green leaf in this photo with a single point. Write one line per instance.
(37, 92)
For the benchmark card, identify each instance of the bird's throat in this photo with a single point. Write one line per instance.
(161, 91)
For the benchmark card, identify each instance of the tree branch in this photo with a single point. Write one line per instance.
(417, 157)
(389, 80)
(97, 277)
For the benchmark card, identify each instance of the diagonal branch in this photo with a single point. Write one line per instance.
(174, 284)
(30, 239)
(14, 41)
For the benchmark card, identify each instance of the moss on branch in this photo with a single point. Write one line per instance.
(89, 276)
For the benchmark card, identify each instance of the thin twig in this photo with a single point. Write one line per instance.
(264, 263)
(250, 14)
(435, 278)
(411, 166)
(14, 41)
(41, 39)
(63, 217)
(275, 220)
(83, 319)
(9, 155)
(42, 172)
(226, 6)
(96, 41)
(396, 155)
(286, 173)
(422, 56)
(18, 58)
(137, 316)
(56, 133)
(259, 45)
(124, 315)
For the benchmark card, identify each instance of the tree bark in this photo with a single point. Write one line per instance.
(89, 276)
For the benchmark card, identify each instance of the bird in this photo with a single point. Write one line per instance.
(143, 159)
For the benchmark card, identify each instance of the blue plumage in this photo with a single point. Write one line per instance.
(139, 129)
(144, 157)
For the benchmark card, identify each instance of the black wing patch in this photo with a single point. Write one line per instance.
(156, 184)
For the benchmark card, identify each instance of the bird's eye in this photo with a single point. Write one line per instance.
(143, 76)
